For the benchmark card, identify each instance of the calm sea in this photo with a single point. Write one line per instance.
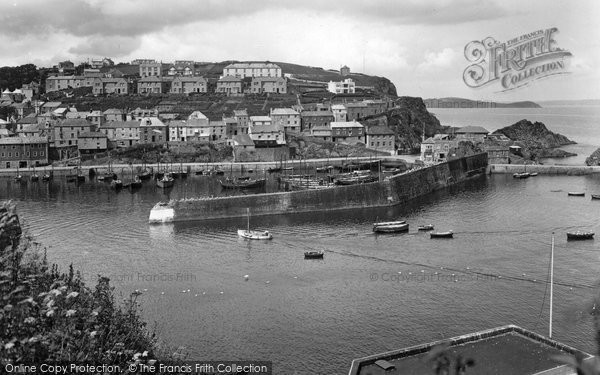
(371, 293)
(578, 123)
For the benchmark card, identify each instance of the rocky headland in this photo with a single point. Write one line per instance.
(537, 141)
(594, 158)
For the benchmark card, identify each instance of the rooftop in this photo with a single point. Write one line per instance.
(121, 124)
(472, 130)
(92, 135)
(260, 118)
(230, 79)
(253, 65)
(503, 350)
(22, 140)
(316, 113)
(380, 130)
(243, 140)
(284, 112)
(344, 124)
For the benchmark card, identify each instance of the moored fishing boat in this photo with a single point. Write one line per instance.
(448, 234)
(425, 227)
(254, 234)
(313, 254)
(116, 184)
(522, 175)
(236, 183)
(166, 181)
(595, 196)
(390, 226)
(145, 175)
(576, 194)
(580, 235)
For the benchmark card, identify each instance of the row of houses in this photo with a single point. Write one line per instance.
(181, 78)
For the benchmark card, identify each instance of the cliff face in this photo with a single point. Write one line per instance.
(594, 158)
(537, 140)
(408, 120)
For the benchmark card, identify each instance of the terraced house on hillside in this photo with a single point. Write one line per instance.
(276, 85)
(253, 69)
(188, 85)
(111, 86)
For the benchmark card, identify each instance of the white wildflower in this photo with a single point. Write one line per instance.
(72, 295)
(136, 356)
(9, 345)
(93, 333)
(145, 353)
(30, 320)
(50, 313)
(70, 312)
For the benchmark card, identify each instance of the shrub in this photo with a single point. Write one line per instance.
(49, 316)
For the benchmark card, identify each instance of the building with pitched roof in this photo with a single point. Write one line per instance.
(340, 114)
(182, 68)
(188, 85)
(310, 119)
(275, 85)
(253, 69)
(347, 132)
(153, 85)
(92, 142)
(475, 134)
(111, 86)
(267, 135)
(287, 118)
(122, 133)
(230, 85)
(437, 148)
(152, 130)
(243, 120)
(381, 138)
(23, 152)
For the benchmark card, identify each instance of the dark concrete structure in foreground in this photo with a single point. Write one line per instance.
(397, 190)
(503, 350)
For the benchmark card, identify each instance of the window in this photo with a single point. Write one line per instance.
(34, 153)
(16, 154)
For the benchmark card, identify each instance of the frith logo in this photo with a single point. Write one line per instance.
(515, 63)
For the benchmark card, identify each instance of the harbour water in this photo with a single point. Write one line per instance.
(314, 316)
(370, 293)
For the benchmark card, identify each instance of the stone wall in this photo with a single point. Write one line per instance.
(397, 190)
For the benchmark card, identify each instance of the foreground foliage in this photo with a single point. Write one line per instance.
(48, 316)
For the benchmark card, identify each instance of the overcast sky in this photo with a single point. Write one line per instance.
(417, 44)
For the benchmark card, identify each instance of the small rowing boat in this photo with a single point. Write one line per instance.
(447, 234)
(313, 255)
(576, 194)
(426, 227)
(580, 235)
(390, 226)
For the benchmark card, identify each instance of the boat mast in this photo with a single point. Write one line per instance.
(248, 215)
(551, 283)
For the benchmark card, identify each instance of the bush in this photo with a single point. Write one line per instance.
(49, 316)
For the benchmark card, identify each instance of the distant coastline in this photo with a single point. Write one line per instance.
(550, 103)
(451, 102)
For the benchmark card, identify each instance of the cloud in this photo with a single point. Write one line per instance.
(116, 46)
(437, 60)
(139, 17)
